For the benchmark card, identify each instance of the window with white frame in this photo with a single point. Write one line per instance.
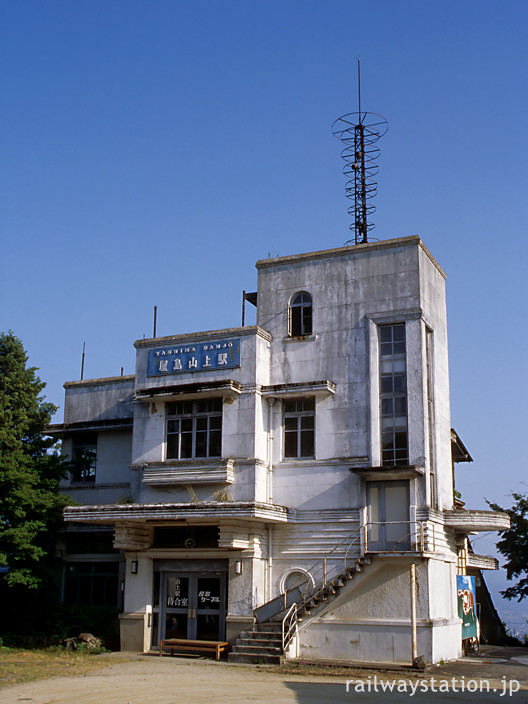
(194, 429)
(300, 315)
(393, 394)
(299, 427)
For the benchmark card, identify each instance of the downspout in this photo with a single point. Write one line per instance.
(270, 562)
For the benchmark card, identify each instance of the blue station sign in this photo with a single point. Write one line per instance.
(203, 356)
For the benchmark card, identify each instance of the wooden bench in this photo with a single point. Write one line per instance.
(210, 646)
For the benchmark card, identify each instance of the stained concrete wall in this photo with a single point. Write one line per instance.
(99, 399)
(354, 290)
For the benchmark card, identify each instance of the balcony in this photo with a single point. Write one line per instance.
(172, 472)
(474, 521)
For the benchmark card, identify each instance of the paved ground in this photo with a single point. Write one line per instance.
(174, 680)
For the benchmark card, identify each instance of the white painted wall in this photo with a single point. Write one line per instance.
(354, 290)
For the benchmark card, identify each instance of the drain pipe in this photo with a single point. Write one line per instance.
(414, 646)
(270, 562)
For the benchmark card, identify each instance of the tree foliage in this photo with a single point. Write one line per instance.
(514, 546)
(30, 470)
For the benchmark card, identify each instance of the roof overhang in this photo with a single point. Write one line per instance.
(227, 388)
(212, 511)
(60, 429)
(481, 562)
(303, 388)
(473, 521)
(459, 451)
(373, 474)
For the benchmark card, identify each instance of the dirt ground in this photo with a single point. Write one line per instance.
(173, 680)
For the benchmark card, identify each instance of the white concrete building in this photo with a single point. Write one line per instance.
(307, 457)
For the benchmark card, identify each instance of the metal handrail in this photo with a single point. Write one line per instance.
(321, 566)
(336, 571)
(419, 534)
(322, 575)
(289, 626)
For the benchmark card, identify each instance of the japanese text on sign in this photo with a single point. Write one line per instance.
(195, 357)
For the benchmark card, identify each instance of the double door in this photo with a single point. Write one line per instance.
(193, 605)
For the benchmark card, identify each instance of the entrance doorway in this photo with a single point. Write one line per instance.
(193, 605)
(388, 516)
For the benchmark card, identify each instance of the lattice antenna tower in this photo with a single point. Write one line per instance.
(359, 132)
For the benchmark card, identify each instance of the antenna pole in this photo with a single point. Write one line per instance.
(155, 320)
(82, 361)
(359, 89)
(359, 133)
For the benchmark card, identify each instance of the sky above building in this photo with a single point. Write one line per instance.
(153, 151)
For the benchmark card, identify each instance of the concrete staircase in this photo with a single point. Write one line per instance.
(262, 645)
(326, 594)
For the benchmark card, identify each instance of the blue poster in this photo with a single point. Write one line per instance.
(202, 356)
(467, 605)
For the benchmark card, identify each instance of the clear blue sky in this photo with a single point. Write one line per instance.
(153, 151)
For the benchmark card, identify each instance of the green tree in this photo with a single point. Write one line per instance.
(30, 471)
(514, 546)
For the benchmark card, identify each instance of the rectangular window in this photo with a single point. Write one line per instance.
(393, 395)
(299, 427)
(84, 458)
(92, 583)
(194, 429)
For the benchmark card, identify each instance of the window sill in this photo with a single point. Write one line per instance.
(300, 338)
(95, 485)
(396, 472)
(307, 388)
(206, 471)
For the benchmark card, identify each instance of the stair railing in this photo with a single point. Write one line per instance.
(320, 572)
(401, 543)
(323, 572)
(289, 626)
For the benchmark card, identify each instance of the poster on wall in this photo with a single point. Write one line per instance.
(467, 609)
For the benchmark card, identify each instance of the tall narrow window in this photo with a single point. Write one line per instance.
(194, 429)
(393, 395)
(301, 314)
(299, 427)
(430, 414)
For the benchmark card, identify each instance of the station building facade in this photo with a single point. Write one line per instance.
(240, 465)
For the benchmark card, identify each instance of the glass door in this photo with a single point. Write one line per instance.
(388, 516)
(208, 608)
(193, 606)
(177, 612)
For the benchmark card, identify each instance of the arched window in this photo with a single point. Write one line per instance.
(301, 314)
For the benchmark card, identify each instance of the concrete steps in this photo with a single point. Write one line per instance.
(261, 645)
(332, 589)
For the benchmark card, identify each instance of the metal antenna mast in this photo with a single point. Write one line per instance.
(359, 131)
